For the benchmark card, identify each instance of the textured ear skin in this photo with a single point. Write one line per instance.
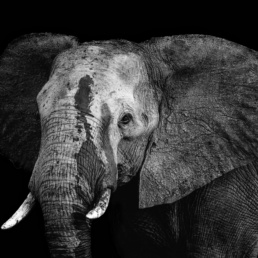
(25, 67)
(208, 115)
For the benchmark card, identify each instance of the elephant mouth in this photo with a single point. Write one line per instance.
(120, 169)
(124, 174)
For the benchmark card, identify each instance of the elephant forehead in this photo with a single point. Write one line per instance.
(111, 84)
(88, 86)
(93, 74)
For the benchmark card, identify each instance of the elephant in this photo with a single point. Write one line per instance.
(161, 134)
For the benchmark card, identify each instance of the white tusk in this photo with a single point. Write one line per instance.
(22, 212)
(101, 206)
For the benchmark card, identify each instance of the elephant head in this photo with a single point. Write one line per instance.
(86, 118)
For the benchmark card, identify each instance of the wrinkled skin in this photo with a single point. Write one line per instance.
(80, 108)
(179, 112)
(218, 220)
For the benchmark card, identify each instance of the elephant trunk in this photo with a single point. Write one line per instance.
(65, 200)
(64, 183)
(66, 226)
(67, 180)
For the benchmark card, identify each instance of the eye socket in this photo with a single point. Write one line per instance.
(126, 119)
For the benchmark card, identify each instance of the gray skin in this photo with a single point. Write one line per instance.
(217, 220)
(179, 112)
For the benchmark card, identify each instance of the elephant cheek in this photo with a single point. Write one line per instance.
(111, 174)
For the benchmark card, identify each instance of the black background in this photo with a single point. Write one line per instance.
(100, 23)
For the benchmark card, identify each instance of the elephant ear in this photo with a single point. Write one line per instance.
(25, 67)
(208, 121)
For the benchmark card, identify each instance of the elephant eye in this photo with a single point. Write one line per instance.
(126, 119)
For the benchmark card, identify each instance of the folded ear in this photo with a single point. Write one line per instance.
(208, 121)
(24, 68)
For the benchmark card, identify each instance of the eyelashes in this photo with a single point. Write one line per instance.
(126, 119)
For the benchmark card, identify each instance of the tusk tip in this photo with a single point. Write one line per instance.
(94, 214)
(101, 207)
(21, 213)
(3, 227)
(90, 215)
(7, 225)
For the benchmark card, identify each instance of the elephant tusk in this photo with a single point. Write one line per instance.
(21, 213)
(101, 206)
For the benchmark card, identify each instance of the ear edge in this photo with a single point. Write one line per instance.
(22, 76)
(157, 184)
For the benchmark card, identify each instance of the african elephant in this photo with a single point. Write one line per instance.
(174, 115)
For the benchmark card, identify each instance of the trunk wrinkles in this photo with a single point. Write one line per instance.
(64, 194)
(67, 229)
